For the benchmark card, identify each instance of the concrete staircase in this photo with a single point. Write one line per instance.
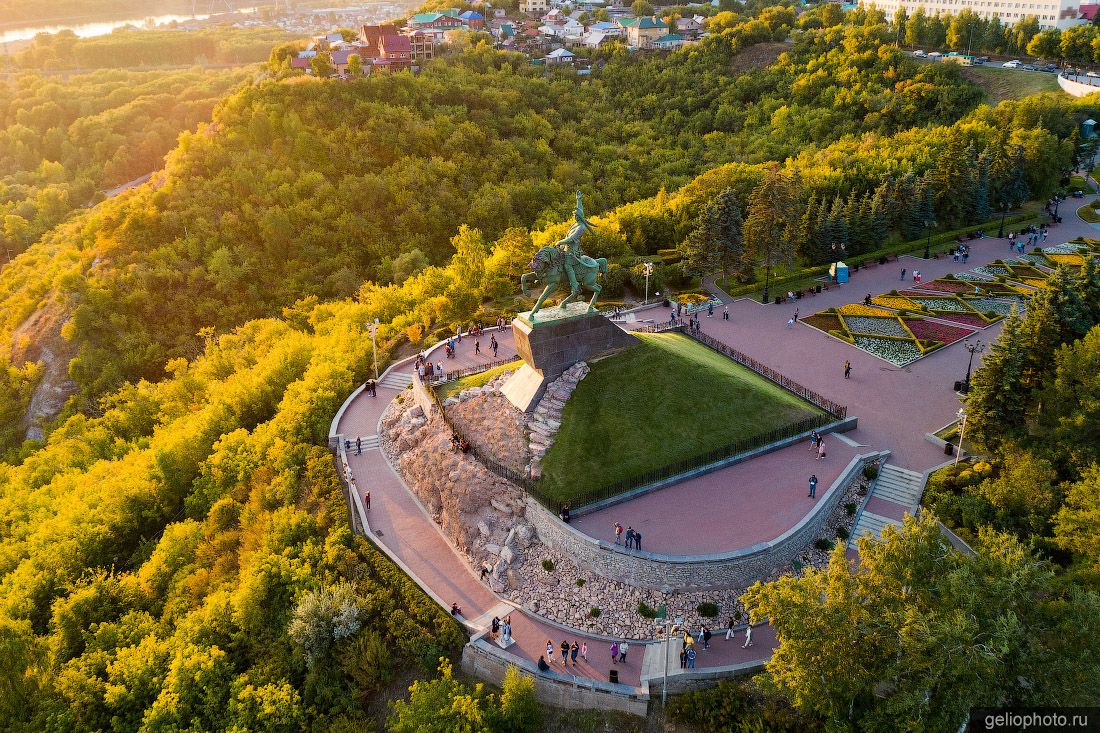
(896, 485)
(396, 380)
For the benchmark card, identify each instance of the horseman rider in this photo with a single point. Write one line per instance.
(570, 246)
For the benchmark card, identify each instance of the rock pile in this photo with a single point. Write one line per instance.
(491, 423)
(545, 421)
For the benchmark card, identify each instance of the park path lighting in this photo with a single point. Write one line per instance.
(962, 434)
(928, 224)
(668, 627)
(374, 346)
(974, 348)
(648, 269)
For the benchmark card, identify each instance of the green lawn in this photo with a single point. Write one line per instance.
(474, 380)
(668, 399)
(1000, 84)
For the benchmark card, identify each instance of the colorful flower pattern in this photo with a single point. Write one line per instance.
(894, 351)
(875, 326)
(930, 330)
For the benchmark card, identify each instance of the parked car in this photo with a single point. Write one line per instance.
(920, 54)
(981, 59)
(1078, 194)
(1029, 67)
(1052, 68)
(1093, 74)
(1011, 64)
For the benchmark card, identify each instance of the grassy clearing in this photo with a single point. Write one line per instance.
(665, 400)
(1000, 84)
(1089, 214)
(474, 380)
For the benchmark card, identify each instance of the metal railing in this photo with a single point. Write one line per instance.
(476, 369)
(836, 410)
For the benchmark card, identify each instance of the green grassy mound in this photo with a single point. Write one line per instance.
(475, 380)
(666, 400)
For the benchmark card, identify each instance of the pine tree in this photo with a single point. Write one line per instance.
(824, 234)
(807, 230)
(716, 243)
(980, 208)
(838, 223)
(770, 227)
(997, 403)
(1088, 288)
(878, 227)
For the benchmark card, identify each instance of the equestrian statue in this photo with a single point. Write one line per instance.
(565, 259)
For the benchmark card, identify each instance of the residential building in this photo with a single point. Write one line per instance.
(1050, 13)
(670, 42)
(371, 35)
(559, 57)
(422, 44)
(534, 7)
(473, 19)
(395, 53)
(642, 32)
(688, 27)
(443, 21)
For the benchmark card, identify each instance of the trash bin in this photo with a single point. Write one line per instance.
(778, 300)
(958, 386)
(817, 288)
(613, 676)
(948, 449)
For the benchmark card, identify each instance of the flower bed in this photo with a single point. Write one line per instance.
(968, 319)
(993, 270)
(895, 351)
(1074, 260)
(1035, 283)
(858, 309)
(1035, 260)
(972, 277)
(875, 326)
(897, 302)
(943, 286)
(930, 330)
(824, 321)
(943, 304)
(1000, 306)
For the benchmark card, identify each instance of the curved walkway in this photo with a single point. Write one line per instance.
(896, 407)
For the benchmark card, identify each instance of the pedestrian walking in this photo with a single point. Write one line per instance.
(366, 500)
(614, 652)
(710, 310)
(706, 637)
(618, 533)
(813, 486)
(574, 649)
(867, 299)
(637, 540)
(729, 628)
(477, 346)
(485, 570)
(359, 446)
(629, 537)
(847, 369)
(748, 637)
(495, 627)
(796, 315)
(584, 650)
(550, 651)
(691, 658)
(902, 274)
(624, 647)
(564, 653)
(815, 438)
(725, 313)
(790, 323)
(820, 449)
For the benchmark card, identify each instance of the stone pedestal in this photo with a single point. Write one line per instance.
(556, 339)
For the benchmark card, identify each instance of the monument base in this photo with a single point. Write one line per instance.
(554, 340)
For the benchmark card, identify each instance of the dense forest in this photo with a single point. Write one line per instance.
(176, 551)
(130, 47)
(63, 141)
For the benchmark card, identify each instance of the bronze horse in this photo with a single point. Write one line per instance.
(548, 269)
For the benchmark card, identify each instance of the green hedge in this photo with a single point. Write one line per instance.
(807, 276)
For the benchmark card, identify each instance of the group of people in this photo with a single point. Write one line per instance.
(426, 370)
(1031, 235)
(459, 444)
(916, 275)
(817, 444)
(961, 253)
(501, 629)
(633, 537)
(570, 652)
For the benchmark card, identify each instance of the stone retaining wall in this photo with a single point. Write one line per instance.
(482, 660)
(667, 573)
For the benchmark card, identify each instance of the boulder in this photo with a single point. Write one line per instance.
(492, 548)
(506, 555)
(483, 529)
(500, 506)
(416, 411)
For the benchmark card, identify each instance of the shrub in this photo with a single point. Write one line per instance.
(548, 565)
(580, 582)
(870, 471)
(645, 611)
(823, 544)
(594, 612)
(706, 609)
(850, 508)
(842, 534)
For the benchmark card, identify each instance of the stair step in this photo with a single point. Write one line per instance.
(903, 471)
(903, 496)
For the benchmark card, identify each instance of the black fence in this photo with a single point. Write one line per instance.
(477, 369)
(837, 411)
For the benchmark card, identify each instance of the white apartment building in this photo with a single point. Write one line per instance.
(1050, 13)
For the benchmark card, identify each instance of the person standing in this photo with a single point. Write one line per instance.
(813, 486)
(815, 437)
(725, 313)
(748, 637)
(729, 628)
(847, 369)
(691, 658)
(820, 449)
(477, 347)
(706, 637)
(683, 658)
(366, 499)
(790, 323)
(637, 540)
(564, 653)
(629, 537)
(574, 649)
(796, 315)
(614, 652)
(902, 274)
(584, 650)
(359, 446)
(624, 647)
(618, 533)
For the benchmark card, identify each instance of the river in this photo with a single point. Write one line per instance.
(98, 28)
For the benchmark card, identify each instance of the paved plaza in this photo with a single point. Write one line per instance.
(724, 510)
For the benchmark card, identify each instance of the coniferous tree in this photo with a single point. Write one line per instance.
(980, 207)
(770, 226)
(997, 403)
(878, 226)
(807, 230)
(824, 233)
(838, 224)
(716, 243)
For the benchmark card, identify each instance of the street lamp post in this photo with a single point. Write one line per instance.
(1004, 213)
(928, 224)
(374, 346)
(974, 348)
(962, 434)
(648, 271)
(667, 630)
